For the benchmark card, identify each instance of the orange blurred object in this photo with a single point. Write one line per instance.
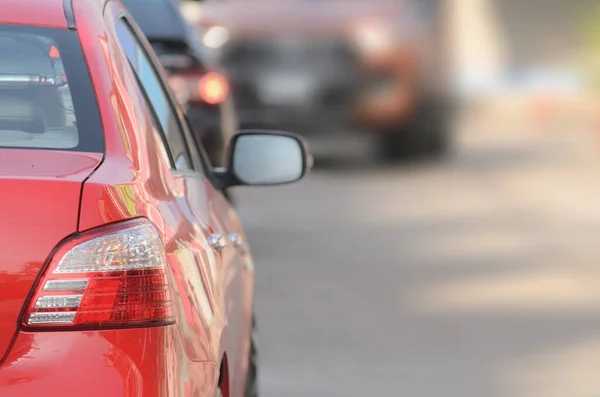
(54, 52)
(213, 88)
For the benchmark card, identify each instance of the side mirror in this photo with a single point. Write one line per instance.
(263, 158)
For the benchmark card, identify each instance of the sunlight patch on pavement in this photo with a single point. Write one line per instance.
(567, 371)
(526, 291)
(480, 242)
(432, 202)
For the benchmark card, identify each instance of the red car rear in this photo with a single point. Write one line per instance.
(124, 271)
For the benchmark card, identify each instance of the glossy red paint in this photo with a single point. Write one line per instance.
(80, 191)
(34, 12)
(34, 223)
(103, 363)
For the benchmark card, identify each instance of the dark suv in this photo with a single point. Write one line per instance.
(316, 67)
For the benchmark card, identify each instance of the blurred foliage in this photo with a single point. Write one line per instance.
(591, 37)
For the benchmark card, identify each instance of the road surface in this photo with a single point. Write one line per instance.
(478, 276)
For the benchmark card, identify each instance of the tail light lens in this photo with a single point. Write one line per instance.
(213, 88)
(115, 276)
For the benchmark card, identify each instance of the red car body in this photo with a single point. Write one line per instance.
(50, 197)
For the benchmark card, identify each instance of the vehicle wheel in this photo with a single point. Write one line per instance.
(425, 135)
(397, 145)
(252, 376)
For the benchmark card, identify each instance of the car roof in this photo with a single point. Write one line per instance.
(158, 19)
(34, 12)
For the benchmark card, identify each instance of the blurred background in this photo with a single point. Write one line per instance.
(445, 243)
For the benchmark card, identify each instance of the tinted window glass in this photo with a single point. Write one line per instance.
(155, 91)
(158, 19)
(46, 96)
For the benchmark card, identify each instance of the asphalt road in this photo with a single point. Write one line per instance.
(477, 276)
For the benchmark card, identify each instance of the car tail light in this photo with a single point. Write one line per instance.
(114, 276)
(213, 88)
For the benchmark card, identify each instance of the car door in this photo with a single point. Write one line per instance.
(218, 259)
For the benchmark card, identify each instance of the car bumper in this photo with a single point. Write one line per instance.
(133, 362)
(370, 107)
(369, 115)
(302, 121)
(384, 110)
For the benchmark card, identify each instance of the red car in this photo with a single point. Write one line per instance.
(124, 270)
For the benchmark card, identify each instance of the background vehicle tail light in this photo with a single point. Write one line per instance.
(114, 276)
(213, 88)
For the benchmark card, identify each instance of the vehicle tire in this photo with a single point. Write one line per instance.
(252, 375)
(397, 145)
(425, 135)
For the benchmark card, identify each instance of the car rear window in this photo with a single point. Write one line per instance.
(46, 96)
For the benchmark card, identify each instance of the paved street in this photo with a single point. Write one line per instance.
(476, 277)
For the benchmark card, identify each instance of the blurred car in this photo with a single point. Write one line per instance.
(320, 66)
(124, 271)
(202, 90)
